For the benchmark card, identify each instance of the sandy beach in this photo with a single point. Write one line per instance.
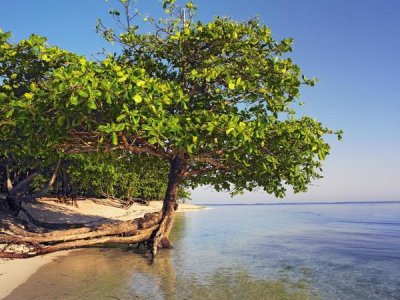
(16, 271)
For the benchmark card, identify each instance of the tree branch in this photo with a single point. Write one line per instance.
(23, 183)
(49, 184)
(199, 172)
(143, 148)
(84, 142)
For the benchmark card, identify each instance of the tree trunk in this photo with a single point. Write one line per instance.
(65, 181)
(177, 171)
(18, 193)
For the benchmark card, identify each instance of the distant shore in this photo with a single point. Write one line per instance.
(14, 272)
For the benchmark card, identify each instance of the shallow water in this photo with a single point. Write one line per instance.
(244, 252)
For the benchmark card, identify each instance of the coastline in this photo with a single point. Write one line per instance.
(14, 272)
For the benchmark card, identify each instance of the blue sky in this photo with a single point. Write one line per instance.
(352, 47)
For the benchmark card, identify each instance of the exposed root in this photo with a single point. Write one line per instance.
(20, 243)
(160, 238)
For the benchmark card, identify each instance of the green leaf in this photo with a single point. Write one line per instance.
(114, 139)
(73, 100)
(122, 78)
(121, 117)
(108, 98)
(119, 127)
(137, 98)
(61, 120)
(140, 83)
(91, 104)
(9, 113)
(33, 86)
(153, 108)
(189, 148)
(229, 130)
(28, 96)
(83, 93)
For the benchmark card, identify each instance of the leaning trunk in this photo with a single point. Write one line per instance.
(176, 175)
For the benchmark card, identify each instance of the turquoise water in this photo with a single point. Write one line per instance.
(303, 251)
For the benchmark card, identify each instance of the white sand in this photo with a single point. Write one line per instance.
(17, 271)
(14, 272)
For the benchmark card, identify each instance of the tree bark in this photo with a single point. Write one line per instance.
(178, 167)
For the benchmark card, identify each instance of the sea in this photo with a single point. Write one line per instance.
(256, 251)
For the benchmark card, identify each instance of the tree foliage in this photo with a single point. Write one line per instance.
(218, 94)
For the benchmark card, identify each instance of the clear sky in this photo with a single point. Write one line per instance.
(352, 47)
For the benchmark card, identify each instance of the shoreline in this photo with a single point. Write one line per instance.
(14, 272)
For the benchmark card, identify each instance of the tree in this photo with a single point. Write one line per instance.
(214, 100)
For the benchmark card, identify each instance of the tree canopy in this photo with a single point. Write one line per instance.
(217, 100)
(222, 93)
